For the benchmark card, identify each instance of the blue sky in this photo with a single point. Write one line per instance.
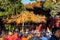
(26, 1)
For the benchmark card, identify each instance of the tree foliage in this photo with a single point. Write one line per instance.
(8, 7)
(54, 6)
(47, 4)
(55, 9)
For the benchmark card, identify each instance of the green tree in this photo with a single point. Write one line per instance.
(54, 7)
(47, 4)
(8, 7)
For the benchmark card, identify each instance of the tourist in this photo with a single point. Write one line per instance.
(9, 36)
(15, 35)
(36, 36)
(56, 34)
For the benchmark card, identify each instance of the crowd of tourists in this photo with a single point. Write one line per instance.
(31, 35)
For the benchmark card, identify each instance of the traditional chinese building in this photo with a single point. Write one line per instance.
(34, 15)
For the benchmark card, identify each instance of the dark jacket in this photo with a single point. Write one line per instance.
(35, 38)
(54, 38)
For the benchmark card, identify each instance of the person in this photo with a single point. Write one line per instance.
(25, 36)
(3, 34)
(0, 37)
(44, 37)
(36, 36)
(27, 30)
(15, 35)
(55, 34)
(30, 35)
(9, 36)
(20, 36)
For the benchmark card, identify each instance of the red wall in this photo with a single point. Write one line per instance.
(54, 22)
